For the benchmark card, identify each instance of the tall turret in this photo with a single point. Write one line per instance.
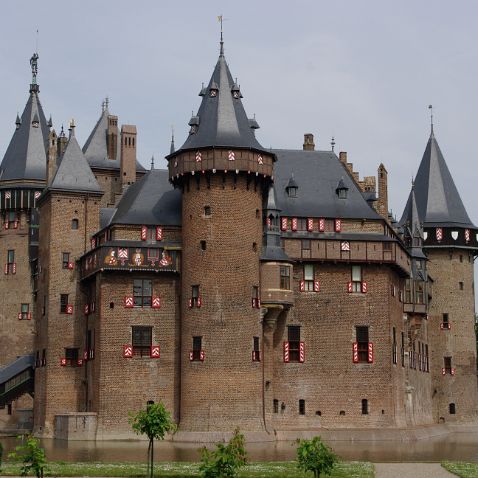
(450, 244)
(224, 174)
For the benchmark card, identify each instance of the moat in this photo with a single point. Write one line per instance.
(454, 446)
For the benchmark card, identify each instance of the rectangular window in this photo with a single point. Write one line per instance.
(420, 288)
(356, 279)
(447, 363)
(362, 340)
(285, 277)
(142, 292)
(275, 404)
(10, 266)
(141, 340)
(63, 303)
(256, 351)
(413, 356)
(197, 347)
(25, 311)
(305, 248)
(308, 277)
(65, 260)
(195, 295)
(402, 349)
(293, 337)
(301, 407)
(71, 356)
(12, 219)
(394, 345)
(427, 363)
(408, 291)
(43, 358)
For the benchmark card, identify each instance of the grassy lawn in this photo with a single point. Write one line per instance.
(184, 469)
(463, 470)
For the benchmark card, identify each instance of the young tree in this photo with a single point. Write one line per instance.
(154, 422)
(314, 455)
(225, 461)
(32, 456)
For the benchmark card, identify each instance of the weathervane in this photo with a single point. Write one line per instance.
(220, 19)
(34, 66)
(430, 107)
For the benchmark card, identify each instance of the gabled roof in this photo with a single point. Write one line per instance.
(96, 149)
(221, 116)
(151, 200)
(74, 172)
(25, 158)
(438, 200)
(317, 174)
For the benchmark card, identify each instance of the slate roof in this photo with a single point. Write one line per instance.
(412, 226)
(95, 148)
(222, 119)
(438, 200)
(25, 157)
(317, 174)
(151, 200)
(14, 368)
(74, 172)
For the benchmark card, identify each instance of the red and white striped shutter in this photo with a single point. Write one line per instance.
(350, 287)
(316, 286)
(93, 307)
(144, 233)
(191, 356)
(294, 224)
(159, 233)
(199, 302)
(63, 362)
(258, 302)
(154, 351)
(71, 265)
(6, 269)
(286, 352)
(364, 287)
(190, 303)
(370, 353)
(467, 235)
(355, 356)
(14, 268)
(86, 309)
(321, 224)
(128, 301)
(69, 309)
(302, 286)
(15, 224)
(453, 371)
(79, 362)
(127, 351)
(85, 355)
(19, 316)
(202, 355)
(443, 371)
(439, 233)
(253, 302)
(198, 156)
(93, 242)
(5, 225)
(231, 156)
(310, 224)
(301, 352)
(442, 326)
(156, 303)
(283, 223)
(29, 315)
(338, 225)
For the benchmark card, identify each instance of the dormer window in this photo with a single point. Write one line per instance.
(292, 187)
(236, 93)
(194, 123)
(342, 190)
(35, 121)
(213, 89)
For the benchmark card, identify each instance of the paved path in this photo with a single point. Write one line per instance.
(411, 470)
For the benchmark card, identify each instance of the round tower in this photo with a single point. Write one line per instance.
(450, 244)
(223, 173)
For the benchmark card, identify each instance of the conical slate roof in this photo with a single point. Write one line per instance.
(25, 158)
(74, 172)
(149, 201)
(438, 200)
(412, 226)
(222, 119)
(96, 148)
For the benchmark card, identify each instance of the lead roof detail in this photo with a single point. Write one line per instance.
(221, 119)
(438, 200)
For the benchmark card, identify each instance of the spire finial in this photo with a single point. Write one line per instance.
(430, 107)
(220, 19)
(71, 127)
(152, 162)
(103, 105)
(107, 102)
(172, 149)
(332, 143)
(34, 67)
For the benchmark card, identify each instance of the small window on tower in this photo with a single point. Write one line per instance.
(25, 311)
(63, 303)
(285, 277)
(461, 285)
(203, 245)
(71, 356)
(197, 347)
(364, 406)
(301, 407)
(65, 260)
(207, 211)
(275, 404)
(356, 279)
(74, 224)
(142, 340)
(362, 339)
(293, 336)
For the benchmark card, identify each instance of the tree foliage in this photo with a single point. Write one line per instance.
(154, 422)
(226, 460)
(314, 455)
(32, 456)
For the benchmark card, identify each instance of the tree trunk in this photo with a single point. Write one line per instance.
(148, 461)
(152, 458)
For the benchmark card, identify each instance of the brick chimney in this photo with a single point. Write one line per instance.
(112, 137)
(308, 142)
(52, 156)
(128, 155)
(343, 157)
(382, 203)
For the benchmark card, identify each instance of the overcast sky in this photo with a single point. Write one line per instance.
(363, 71)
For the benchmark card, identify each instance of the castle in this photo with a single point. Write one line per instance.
(243, 286)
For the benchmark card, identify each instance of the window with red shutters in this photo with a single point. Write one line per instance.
(64, 303)
(10, 266)
(141, 340)
(65, 260)
(196, 354)
(308, 278)
(142, 292)
(256, 352)
(293, 337)
(362, 340)
(25, 312)
(71, 356)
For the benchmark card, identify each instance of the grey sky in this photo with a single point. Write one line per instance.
(364, 71)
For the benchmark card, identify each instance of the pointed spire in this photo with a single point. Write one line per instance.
(72, 127)
(18, 122)
(332, 143)
(62, 132)
(430, 107)
(172, 148)
(221, 43)
(152, 162)
(50, 123)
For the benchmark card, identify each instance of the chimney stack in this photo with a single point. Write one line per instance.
(308, 142)
(382, 203)
(128, 155)
(112, 137)
(343, 157)
(52, 156)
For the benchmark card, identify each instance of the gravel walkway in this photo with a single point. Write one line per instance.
(411, 470)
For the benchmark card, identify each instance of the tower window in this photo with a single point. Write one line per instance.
(256, 352)
(195, 295)
(308, 277)
(364, 406)
(25, 309)
(301, 407)
(207, 211)
(63, 303)
(141, 340)
(197, 347)
(460, 285)
(452, 408)
(71, 356)
(356, 279)
(447, 363)
(65, 260)
(445, 319)
(142, 292)
(275, 404)
(74, 224)
(203, 245)
(293, 337)
(285, 277)
(362, 339)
